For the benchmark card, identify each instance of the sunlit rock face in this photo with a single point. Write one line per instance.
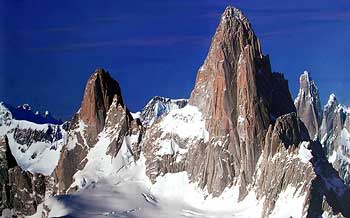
(239, 97)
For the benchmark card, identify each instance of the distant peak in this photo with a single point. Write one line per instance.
(305, 74)
(25, 107)
(305, 77)
(99, 71)
(332, 98)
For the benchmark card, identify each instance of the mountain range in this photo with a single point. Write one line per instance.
(240, 146)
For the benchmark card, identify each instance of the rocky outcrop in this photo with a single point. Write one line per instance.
(308, 105)
(239, 98)
(102, 107)
(21, 191)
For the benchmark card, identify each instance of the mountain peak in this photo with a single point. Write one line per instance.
(233, 12)
(308, 104)
(239, 97)
(331, 100)
(100, 90)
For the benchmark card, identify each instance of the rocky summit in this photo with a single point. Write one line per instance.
(239, 146)
(308, 104)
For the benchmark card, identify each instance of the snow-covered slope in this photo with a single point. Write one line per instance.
(159, 106)
(36, 147)
(129, 193)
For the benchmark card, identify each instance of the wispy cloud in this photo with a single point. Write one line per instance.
(130, 42)
(59, 29)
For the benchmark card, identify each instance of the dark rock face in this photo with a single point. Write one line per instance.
(239, 97)
(328, 184)
(21, 191)
(308, 105)
(29, 136)
(102, 107)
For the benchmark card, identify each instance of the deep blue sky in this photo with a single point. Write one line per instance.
(48, 49)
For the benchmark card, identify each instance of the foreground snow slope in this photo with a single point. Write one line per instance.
(130, 194)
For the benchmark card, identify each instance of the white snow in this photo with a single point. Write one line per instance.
(136, 115)
(100, 164)
(333, 157)
(345, 139)
(170, 147)
(240, 119)
(186, 122)
(331, 100)
(304, 153)
(129, 193)
(289, 204)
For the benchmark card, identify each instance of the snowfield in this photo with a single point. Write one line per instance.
(129, 193)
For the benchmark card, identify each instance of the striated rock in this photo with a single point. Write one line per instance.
(239, 97)
(308, 104)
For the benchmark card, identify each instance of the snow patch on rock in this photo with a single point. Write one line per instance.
(304, 153)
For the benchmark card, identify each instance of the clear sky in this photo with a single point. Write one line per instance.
(48, 49)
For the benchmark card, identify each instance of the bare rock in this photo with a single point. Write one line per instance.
(308, 105)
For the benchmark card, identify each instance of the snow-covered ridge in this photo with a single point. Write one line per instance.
(158, 107)
(35, 146)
